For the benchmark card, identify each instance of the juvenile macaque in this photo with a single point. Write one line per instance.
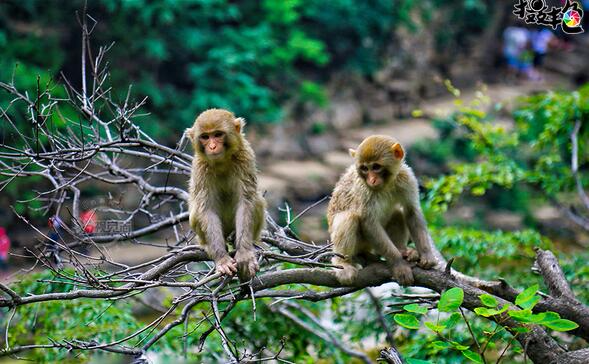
(223, 192)
(373, 210)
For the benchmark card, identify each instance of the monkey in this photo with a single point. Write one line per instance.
(223, 192)
(374, 209)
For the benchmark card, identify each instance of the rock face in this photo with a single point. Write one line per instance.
(406, 132)
(322, 143)
(338, 160)
(307, 180)
(345, 112)
(280, 143)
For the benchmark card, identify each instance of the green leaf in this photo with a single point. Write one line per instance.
(488, 312)
(415, 308)
(529, 304)
(452, 320)
(561, 325)
(520, 330)
(459, 346)
(406, 320)
(488, 300)
(451, 299)
(526, 295)
(417, 361)
(522, 315)
(544, 317)
(434, 327)
(472, 356)
(441, 344)
(549, 316)
(485, 312)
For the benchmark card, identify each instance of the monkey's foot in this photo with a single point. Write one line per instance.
(411, 255)
(402, 273)
(226, 266)
(247, 264)
(347, 275)
(427, 261)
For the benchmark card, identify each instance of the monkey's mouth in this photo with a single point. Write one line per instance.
(376, 186)
(214, 154)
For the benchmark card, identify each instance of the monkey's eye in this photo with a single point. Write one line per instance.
(204, 137)
(376, 167)
(364, 168)
(219, 134)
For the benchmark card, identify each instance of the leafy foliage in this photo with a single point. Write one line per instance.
(84, 319)
(191, 55)
(536, 153)
(451, 300)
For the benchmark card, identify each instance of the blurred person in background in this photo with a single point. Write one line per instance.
(4, 249)
(517, 51)
(542, 39)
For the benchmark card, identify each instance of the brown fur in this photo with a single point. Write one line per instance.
(224, 196)
(365, 220)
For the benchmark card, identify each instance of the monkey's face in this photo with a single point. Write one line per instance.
(378, 160)
(212, 144)
(216, 134)
(374, 174)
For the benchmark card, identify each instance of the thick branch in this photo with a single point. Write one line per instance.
(553, 275)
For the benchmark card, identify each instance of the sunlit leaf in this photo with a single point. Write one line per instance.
(561, 325)
(522, 315)
(415, 308)
(459, 346)
(488, 300)
(451, 299)
(526, 295)
(472, 356)
(434, 327)
(488, 312)
(406, 320)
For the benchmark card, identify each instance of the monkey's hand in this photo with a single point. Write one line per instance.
(411, 255)
(226, 266)
(402, 273)
(427, 260)
(247, 264)
(347, 275)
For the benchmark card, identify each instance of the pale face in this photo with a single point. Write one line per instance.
(213, 143)
(373, 173)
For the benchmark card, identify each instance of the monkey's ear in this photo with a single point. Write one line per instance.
(398, 151)
(352, 152)
(239, 124)
(190, 134)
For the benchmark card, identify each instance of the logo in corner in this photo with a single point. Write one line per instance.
(569, 16)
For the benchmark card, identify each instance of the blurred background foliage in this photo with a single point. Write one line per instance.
(249, 57)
